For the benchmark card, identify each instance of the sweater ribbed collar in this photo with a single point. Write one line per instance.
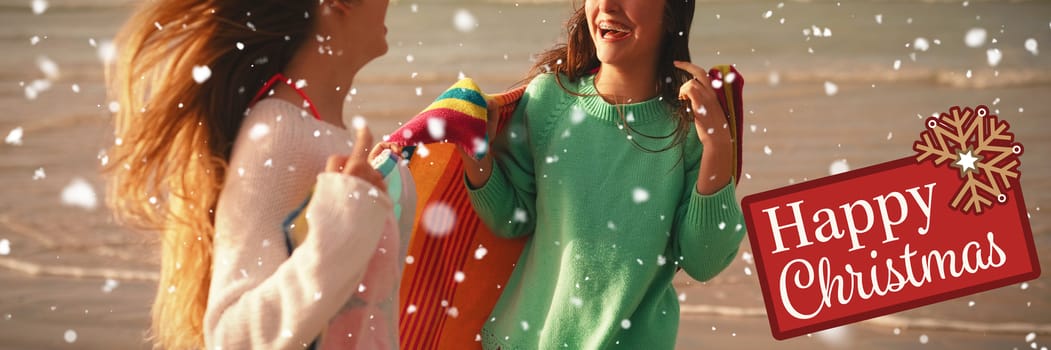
(636, 113)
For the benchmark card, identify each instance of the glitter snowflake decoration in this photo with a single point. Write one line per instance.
(980, 147)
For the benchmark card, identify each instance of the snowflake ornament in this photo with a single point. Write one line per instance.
(979, 146)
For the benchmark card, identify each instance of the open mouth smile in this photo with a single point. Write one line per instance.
(613, 31)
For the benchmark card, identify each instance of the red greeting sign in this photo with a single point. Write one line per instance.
(948, 222)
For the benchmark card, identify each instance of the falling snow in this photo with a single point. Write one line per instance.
(921, 44)
(438, 219)
(767, 150)
(70, 336)
(480, 252)
(201, 74)
(107, 51)
(436, 128)
(79, 193)
(39, 6)
(14, 137)
(110, 285)
(520, 216)
(5, 247)
(358, 122)
(577, 115)
(464, 21)
(640, 195)
(975, 37)
(993, 56)
(838, 167)
(48, 67)
(1030, 45)
(258, 131)
(831, 89)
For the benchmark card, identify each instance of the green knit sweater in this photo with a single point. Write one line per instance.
(608, 223)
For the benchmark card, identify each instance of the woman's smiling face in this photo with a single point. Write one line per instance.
(625, 32)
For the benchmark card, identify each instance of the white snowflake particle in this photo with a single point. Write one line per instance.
(520, 216)
(639, 195)
(48, 67)
(79, 193)
(201, 74)
(831, 89)
(577, 115)
(480, 252)
(14, 137)
(438, 219)
(436, 128)
(767, 150)
(838, 167)
(1030, 45)
(993, 56)
(5, 247)
(458, 276)
(924, 339)
(975, 37)
(110, 285)
(39, 6)
(70, 336)
(258, 131)
(464, 21)
(107, 51)
(921, 44)
(625, 323)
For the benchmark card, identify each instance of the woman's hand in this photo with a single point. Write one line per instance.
(708, 115)
(394, 148)
(478, 171)
(713, 129)
(357, 163)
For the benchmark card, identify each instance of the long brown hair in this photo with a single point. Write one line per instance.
(577, 58)
(174, 133)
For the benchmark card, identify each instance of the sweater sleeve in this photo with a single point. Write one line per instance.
(506, 203)
(708, 228)
(260, 297)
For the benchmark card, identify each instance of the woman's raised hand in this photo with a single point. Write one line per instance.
(357, 163)
(478, 171)
(713, 129)
(708, 115)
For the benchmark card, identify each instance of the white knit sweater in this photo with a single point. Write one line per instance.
(263, 298)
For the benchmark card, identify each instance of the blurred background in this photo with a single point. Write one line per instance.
(830, 86)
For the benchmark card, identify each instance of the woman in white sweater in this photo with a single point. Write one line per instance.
(217, 168)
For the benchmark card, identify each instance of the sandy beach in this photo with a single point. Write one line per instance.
(72, 278)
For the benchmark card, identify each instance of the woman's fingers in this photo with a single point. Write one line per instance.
(704, 103)
(357, 163)
(381, 146)
(335, 163)
(691, 68)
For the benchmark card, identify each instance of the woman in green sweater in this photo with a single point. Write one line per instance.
(617, 165)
